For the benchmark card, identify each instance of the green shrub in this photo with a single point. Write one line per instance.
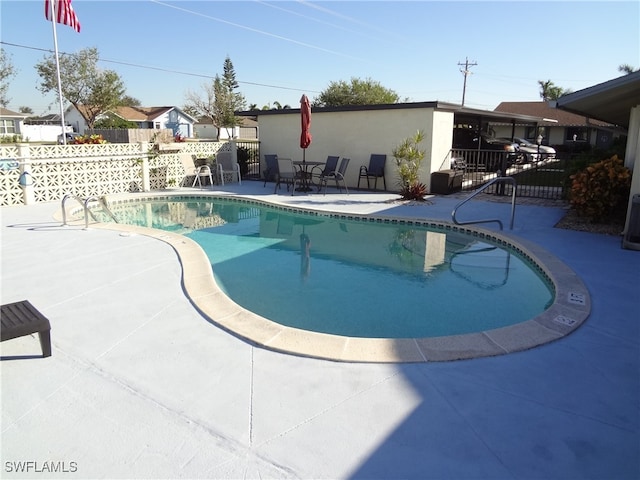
(415, 191)
(243, 155)
(409, 158)
(600, 192)
(11, 138)
(90, 139)
(114, 121)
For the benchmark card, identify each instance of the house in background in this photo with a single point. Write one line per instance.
(30, 128)
(156, 118)
(205, 129)
(48, 119)
(558, 127)
(11, 123)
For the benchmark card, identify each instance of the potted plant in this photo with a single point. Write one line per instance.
(409, 157)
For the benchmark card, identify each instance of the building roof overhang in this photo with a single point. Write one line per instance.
(609, 101)
(436, 105)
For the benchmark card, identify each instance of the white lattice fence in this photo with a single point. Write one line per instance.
(93, 170)
(10, 191)
(84, 178)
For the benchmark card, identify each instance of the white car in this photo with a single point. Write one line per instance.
(530, 150)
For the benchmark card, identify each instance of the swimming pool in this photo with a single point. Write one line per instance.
(361, 278)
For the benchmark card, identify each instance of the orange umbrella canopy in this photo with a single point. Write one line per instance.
(305, 116)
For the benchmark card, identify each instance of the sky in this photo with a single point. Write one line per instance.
(281, 49)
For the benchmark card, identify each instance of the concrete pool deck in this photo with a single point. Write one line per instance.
(140, 385)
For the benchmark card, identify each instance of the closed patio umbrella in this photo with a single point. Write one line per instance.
(305, 116)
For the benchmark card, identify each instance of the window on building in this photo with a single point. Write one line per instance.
(577, 134)
(7, 126)
(533, 132)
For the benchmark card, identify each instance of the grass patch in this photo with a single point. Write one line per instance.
(547, 177)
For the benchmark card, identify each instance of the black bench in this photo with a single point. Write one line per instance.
(21, 318)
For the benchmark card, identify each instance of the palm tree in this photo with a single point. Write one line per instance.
(626, 69)
(550, 91)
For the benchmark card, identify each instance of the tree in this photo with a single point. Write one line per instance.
(6, 72)
(229, 75)
(128, 101)
(189, 110)
(276, 106)
(626, 69)
(232, 100)
(26, 110)
(550, 91)
(88, 88)
(358, 92)
(219, 102)
(111, 120)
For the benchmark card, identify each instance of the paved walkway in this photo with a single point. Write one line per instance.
(140, 385)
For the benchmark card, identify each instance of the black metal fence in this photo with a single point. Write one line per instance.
(539, 178)
(249, 158)
(536, 177)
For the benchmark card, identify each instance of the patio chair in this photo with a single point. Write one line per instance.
(338, 176)
(226, 166)
(203, 171)
(375, 170)
(319, 172)
(288, 174)
(20, 319)
(270, 173)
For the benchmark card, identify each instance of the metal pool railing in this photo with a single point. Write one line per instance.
(84, 202)
(510, 180)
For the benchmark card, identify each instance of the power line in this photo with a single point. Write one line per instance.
(466, 73)
(160, 69)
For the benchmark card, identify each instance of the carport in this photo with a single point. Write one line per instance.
(618, 102)
(356, 131)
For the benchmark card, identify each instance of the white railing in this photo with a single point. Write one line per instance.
(46, 173)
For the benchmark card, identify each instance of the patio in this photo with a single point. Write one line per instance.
(141, 385)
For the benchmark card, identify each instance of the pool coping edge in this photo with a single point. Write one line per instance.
(571, 306)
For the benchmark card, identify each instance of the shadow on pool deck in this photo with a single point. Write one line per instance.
(140, 386)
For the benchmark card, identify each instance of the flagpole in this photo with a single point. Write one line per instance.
(55, 48)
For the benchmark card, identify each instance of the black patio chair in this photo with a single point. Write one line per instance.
(338, 176)
(319, 172)
(288, 175)
(270, 173)
(375, 170)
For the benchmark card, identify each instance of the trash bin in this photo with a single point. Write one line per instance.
(446, 181)
(632, 237)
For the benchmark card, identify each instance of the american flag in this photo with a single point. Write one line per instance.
(64, 13)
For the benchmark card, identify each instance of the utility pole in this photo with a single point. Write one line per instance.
(466, 72)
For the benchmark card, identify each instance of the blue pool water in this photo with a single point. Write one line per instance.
(354, 278)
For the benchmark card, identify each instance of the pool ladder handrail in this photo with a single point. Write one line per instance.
(474, 282)
(480, 190)
(84, 202)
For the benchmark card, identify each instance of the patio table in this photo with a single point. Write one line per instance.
(305, 168)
